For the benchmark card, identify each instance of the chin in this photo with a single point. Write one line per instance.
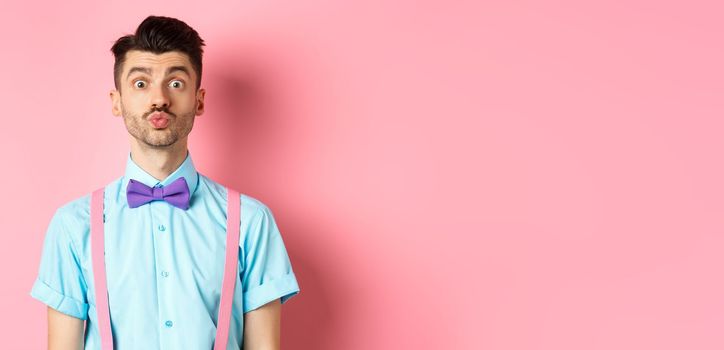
(159, 143)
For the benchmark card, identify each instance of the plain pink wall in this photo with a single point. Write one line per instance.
(446, 175)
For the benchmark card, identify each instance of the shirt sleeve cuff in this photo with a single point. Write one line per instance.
(58, 301)
(282, 288)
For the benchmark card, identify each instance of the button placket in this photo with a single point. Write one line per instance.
(160, 229)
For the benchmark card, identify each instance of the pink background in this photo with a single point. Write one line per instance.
(446, 174)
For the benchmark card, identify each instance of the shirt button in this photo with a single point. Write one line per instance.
(164, 273)
(161, 228)
(169, 324)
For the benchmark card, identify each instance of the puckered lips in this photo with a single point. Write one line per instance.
(159, 120)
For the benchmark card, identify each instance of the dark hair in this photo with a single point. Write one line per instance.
(158, 34)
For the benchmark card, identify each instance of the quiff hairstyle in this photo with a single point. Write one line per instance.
(159, 34)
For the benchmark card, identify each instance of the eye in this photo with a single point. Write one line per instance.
(176, 84)
(139, 84)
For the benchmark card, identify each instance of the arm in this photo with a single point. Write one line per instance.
(262, 327)
(64, 332)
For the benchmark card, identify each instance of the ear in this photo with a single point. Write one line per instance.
(200, 101)
(116, 102)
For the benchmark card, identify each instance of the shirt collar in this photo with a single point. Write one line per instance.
(185, 170)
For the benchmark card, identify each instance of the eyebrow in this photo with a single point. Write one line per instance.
(147, 70)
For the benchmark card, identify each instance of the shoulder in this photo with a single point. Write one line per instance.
(250, 206)
(75, 212)
(73, 216)
(252, 209)
(69, 223)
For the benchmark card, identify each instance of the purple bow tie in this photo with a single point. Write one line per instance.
(175, 193)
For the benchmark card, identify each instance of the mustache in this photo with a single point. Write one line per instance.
(162, 109)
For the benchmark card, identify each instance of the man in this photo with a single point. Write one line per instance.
(164, 261)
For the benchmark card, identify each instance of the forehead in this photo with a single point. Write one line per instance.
(156, 62)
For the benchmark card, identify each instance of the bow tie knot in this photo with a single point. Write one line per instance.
(175, 193)
(158, 193)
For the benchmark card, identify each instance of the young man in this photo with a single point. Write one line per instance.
(165, 225)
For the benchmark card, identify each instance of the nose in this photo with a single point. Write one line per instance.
(159, 98)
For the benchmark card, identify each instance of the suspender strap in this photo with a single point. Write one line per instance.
(99, 269)
(233, 216)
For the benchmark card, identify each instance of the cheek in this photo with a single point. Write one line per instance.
(185, 101)
(132, 103)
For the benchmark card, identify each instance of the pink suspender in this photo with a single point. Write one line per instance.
(233, 217)
(99, 269)
(227, 288)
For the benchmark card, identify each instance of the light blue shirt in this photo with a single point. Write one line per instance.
(164, 265)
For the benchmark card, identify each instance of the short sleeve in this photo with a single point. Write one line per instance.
(60, 283)
(266, 273)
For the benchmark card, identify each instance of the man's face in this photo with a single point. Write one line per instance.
(157, 97)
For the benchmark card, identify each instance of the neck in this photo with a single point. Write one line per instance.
(159, 162)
